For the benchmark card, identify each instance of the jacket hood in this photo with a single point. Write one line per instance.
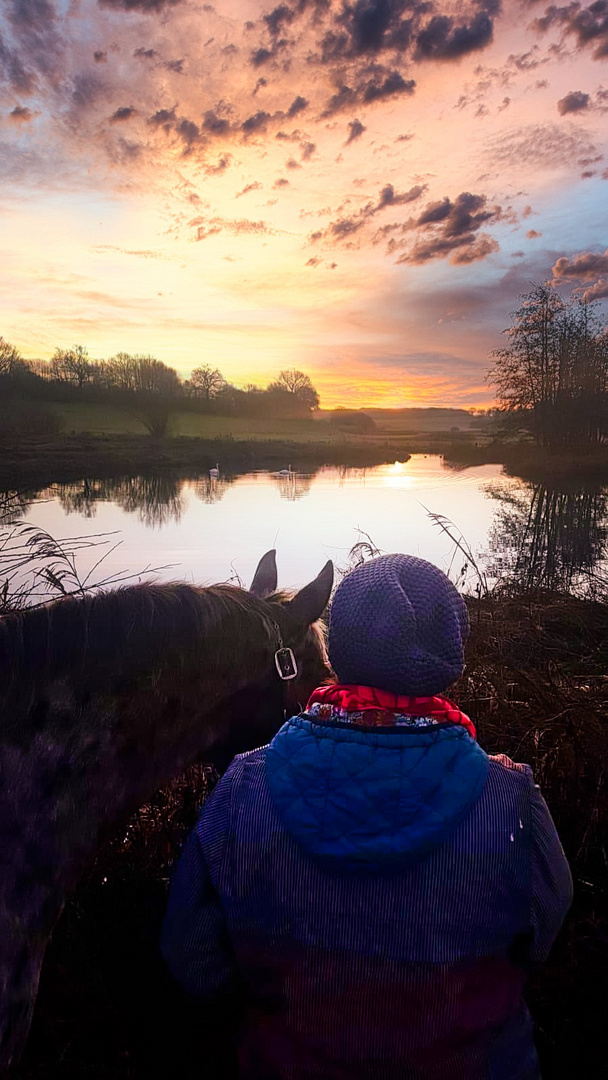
(369, 798)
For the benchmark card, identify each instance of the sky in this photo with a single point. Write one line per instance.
(361, 189)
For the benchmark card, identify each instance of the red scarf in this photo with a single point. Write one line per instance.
(360, 698)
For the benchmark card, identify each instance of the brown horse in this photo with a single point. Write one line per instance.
(104, 699)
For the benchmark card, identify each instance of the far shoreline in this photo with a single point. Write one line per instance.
(35, 463)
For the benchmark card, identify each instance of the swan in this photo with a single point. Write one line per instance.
(214, 472)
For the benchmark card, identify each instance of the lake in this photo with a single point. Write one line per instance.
(205, 530)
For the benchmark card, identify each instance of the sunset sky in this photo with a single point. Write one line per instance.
(357, 189)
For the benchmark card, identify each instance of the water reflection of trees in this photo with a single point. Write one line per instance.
(13, 506)
(157, 499)
(211, 491)
(542, 538)
(293, 485)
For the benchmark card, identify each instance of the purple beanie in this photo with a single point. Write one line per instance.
(398, 623)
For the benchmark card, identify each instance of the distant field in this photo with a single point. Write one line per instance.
(99, 420)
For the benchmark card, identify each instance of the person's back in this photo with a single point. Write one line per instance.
(376, 884)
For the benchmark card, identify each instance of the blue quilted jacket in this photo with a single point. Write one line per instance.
(375, 898)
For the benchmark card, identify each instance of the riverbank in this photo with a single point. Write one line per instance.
(35, 463)
(530, 462)
(536, 687)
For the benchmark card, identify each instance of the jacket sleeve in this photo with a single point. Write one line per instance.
(551, 878)
(194, 939)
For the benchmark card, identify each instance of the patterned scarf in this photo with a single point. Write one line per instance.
(366, 706)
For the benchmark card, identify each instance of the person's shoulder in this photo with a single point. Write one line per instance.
(502, 761)
(250, 759)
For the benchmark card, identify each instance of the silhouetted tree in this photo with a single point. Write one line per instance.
(10, 358)
(72, 366)
(554, 372)
(299, 385)
(206, 382)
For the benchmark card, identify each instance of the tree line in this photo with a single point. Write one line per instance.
(552, 376)
(149, 387)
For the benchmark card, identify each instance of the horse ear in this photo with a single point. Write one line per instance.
(310, 602)
(265, 578)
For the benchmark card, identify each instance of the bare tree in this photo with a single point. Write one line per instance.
(207, 382)
(72, 365)
(295, 382)
(553, 374)
(10, 358)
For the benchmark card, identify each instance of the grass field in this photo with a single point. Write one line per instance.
(98, 419)
(101, 420)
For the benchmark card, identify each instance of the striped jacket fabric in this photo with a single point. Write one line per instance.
(376, 898)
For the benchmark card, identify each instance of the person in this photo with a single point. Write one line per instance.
(366, 894)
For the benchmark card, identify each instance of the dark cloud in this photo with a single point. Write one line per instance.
(138, 5)
(164, 118)
(145, 54)
(588, 25)
(308, 149)
(257, 122)
(175, 65)
(368, 27)
(260, 56)
(355, 131)
(344, 98)
(291, 163)
(314, 261)
(389, 197)
(125, 113)
(346, 227)
(373, 84)
(278, 19)
(100, 57)
(297, 106)
(281, 182)
(21, 115)
(526, 61)
(532, 234)
(188, 131)
(259, 84)
(575, 101)
(451, 228)
(394, 84)
(443, 39)
(214, 124)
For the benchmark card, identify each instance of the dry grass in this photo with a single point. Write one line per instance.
(536, 683)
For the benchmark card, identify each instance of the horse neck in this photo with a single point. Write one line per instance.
(91, 744)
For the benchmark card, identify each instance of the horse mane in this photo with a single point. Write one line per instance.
(133, 629)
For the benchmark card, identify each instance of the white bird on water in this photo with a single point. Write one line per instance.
(214, 472)
(285, 472)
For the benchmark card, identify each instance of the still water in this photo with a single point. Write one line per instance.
(205, 530)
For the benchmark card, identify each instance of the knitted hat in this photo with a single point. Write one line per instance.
(398, 623)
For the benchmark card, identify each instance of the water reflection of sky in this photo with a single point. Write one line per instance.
(213, 531)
